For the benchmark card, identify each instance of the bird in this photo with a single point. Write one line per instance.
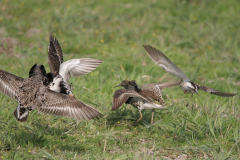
(187, 85)
(61, 72)
(32, 93)
(141, 98)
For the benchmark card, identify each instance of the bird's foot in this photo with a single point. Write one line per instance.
(132, 125)
(135, 124)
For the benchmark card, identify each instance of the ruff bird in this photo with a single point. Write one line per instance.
(61, 71)
(32, 93)
(187, 85)
(141, 98)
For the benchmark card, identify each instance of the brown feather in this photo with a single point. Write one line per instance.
(122, 95)
(214, 91)
(9, 84)
(55, 56)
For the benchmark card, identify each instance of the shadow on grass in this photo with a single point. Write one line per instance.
(122, 114)
(132, 115)
(41, 137)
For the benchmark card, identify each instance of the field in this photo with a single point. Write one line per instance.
(200, 36)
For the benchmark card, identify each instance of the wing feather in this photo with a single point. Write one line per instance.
(78, 67)
(122, 95)
(55, 56)
(214, 91)
(9, 84)
(164, 62)
(64, 105)
(154, 90)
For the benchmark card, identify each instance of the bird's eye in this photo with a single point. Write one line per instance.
(53, 83)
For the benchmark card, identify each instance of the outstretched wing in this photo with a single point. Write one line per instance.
(9, 84)
(164, 62)
(214, 91)
(154, 90)
(78, 67)
(67, 106)
(55, 56)
(122, 95)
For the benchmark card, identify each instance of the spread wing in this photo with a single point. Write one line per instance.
(160, 86)
(67, 106)
(9, 84)
(152, 96)
(164, 62)
(55, 56)
(154, 90)
(216, 92)
(122, 95)
(78, 67)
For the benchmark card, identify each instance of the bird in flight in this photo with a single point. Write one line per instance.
(187, 85)
(61, 72)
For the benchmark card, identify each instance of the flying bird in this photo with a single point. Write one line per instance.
(141, 98)
(61, 71)
(187, 85)
(32, 93)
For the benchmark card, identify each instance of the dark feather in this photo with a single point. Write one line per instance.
(214, 91)
(55, 56)
(122, 96)
(9, 84)
(31, 72)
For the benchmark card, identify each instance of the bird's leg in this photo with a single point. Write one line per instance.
(139, 109)
(152, 117)
(139, 118)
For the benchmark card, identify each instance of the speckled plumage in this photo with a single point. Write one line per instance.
(140, 98)
(32, 94)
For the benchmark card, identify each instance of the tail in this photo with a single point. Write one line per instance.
(21, 114)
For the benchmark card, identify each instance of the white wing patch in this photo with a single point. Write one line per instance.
(78, 67)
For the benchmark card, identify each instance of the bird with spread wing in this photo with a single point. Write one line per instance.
(141, 98)
(32, 93)
(61, 71)
(187, 85)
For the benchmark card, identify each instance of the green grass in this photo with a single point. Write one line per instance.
(201, 37)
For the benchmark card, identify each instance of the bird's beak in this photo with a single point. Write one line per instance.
(118, 85)
(71, 94)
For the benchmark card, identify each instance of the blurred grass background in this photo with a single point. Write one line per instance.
(201, 37)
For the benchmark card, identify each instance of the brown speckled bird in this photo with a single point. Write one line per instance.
(32, 93)
(141, 98)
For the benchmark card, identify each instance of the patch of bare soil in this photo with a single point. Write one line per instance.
(33, 32)
(8, 44)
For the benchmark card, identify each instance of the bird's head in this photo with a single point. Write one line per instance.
(124, 83)
(37, 70)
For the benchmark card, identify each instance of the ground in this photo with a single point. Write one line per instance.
(201, 37)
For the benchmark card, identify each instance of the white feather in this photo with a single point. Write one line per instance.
(77, 67)
(24, 114)
(188, 88)
(54, 86)
(147, 105)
